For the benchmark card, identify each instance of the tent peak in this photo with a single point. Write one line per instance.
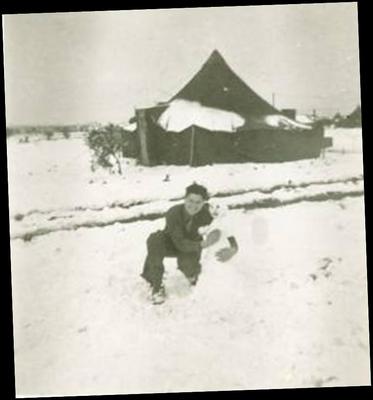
(216, 85)
(215, 56)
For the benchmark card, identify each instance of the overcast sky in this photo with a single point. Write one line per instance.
(98, 66)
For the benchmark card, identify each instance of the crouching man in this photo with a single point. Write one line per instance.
(180, 239)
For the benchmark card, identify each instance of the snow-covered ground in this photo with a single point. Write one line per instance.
(290, 310)
(345, 140)
(54, 178)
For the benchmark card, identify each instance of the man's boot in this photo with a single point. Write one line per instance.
(192, 280)
(158, 295)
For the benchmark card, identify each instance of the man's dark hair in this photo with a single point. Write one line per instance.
(197, 189)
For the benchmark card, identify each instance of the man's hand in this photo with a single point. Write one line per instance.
(225, 253)
(211, 238)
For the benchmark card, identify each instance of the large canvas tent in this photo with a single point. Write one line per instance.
(217, 118)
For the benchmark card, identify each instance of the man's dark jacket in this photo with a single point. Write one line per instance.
(181, 229)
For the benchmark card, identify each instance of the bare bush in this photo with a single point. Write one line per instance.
(110, 145)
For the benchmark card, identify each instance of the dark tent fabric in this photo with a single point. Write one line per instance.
(216, 85)
(269, 145)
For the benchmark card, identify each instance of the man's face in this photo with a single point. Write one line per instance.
(193, 203)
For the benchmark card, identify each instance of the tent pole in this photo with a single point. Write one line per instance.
(192, 147)
(142, 131)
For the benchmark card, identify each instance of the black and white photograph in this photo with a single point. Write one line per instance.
(186, 199)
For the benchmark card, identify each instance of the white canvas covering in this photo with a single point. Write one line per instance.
(280, 121)
(182, 114)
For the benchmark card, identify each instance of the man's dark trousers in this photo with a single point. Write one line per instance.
(159, 246)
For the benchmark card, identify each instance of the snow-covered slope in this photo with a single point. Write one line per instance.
(289, 311)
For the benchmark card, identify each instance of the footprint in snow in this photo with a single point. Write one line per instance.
(326, 261)
(324, 269)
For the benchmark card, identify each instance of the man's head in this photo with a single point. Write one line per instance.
(195, 197)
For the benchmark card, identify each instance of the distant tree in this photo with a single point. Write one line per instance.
(9, 131)
(65, 132)
(24, 139)
(49, 134)
(110, 145)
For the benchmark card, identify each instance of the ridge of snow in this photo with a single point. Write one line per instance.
(37, 225)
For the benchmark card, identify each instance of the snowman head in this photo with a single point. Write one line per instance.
(217, 210)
